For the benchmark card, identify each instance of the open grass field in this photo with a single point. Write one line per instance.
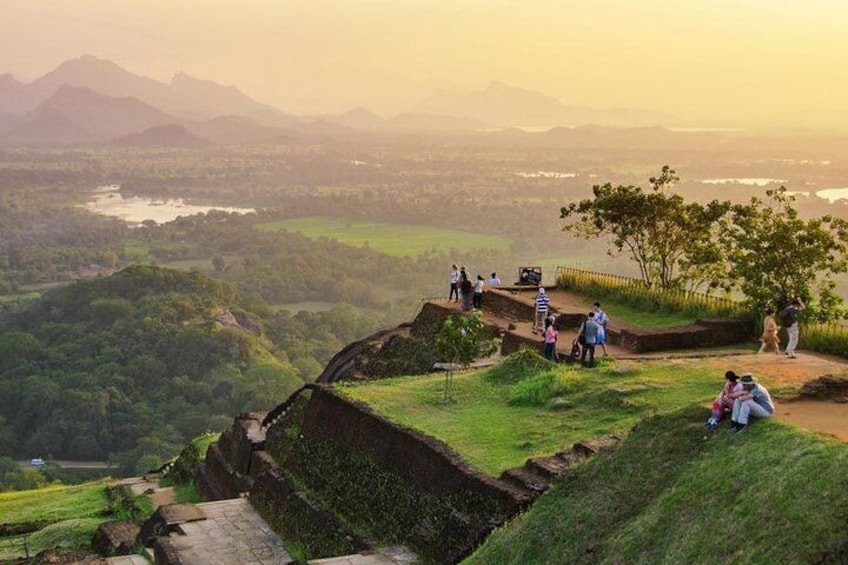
(526, 407)
(392, 239)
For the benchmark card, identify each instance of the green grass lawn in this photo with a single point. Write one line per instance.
(525, 407)
(392, 239)
(675, 493)
(637, 317)
(71, 512)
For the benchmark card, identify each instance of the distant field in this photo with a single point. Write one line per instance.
(308, 306)
(392, 239)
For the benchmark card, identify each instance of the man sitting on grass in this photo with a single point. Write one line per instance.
(754, 401)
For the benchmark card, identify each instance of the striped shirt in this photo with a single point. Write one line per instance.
(542, 303)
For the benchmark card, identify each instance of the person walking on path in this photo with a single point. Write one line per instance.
(589, 330)
(543, 302)
(790, 322)
(478, 292)
(769, 336)
(602, 320)
(494, 280)
(454, 284)
(755, 400)
(550, 340)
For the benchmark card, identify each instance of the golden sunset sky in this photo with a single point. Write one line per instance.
(706, 59)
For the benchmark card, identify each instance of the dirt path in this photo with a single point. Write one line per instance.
(776, 372)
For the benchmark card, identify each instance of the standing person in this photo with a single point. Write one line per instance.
(550, 340)
(543, 301)
(466, 289)
(755, 400)
(589, 331)
(769, 336)
(602, 320)
(478, 292)
(454, 284)
(790, 322)
(731, 390)
(463, 274)
(494, 280)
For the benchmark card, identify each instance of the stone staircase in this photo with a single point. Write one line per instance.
(538, 474)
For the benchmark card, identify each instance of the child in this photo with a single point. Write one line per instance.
(550, 341)
(724, 401)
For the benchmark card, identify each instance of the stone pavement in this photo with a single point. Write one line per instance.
(232, 534)
(397, 555)
(128, 560)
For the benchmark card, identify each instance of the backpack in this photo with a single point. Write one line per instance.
(786, 318)
(575, 352)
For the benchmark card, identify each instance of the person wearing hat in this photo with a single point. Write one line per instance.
(754, 401)
(543, 301)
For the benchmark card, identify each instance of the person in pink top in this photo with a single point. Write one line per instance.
(550, 340)
(724, 401)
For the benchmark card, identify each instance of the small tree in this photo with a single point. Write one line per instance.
(776, 256)
(671, 241)
(460, 341)
(218, 263)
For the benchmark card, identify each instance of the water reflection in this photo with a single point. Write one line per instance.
(108, 201)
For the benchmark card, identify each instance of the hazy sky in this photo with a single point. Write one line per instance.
(692, 57)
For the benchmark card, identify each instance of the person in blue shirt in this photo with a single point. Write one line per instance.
(754, 401)
(602, 320)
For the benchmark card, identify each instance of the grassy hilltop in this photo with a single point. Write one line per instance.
(673, 492)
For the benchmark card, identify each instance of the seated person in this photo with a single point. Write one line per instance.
(755, 400)
(724, 401)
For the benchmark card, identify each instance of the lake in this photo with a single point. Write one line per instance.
(754, 181)
(833, 194)
(108, 201)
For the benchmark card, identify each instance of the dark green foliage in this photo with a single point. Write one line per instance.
(130, 367)
(777, 256)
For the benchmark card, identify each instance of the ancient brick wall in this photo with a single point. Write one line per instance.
(510, 305)
(397, 484)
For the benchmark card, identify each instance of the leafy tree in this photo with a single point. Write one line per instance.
(460, 341)
(670, 240)
(776, 255)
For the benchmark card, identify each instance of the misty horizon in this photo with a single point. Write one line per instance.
(709, 64)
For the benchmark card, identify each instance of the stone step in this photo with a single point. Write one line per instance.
(592, 446)
(549, 467)
(526, 479)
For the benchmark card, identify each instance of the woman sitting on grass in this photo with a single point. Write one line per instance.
(724, 401)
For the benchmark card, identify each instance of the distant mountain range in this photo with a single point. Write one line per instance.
(502, 105)
(89, 100)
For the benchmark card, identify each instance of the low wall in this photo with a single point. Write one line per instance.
(396, 484)
(510, 305)
(703, 333)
